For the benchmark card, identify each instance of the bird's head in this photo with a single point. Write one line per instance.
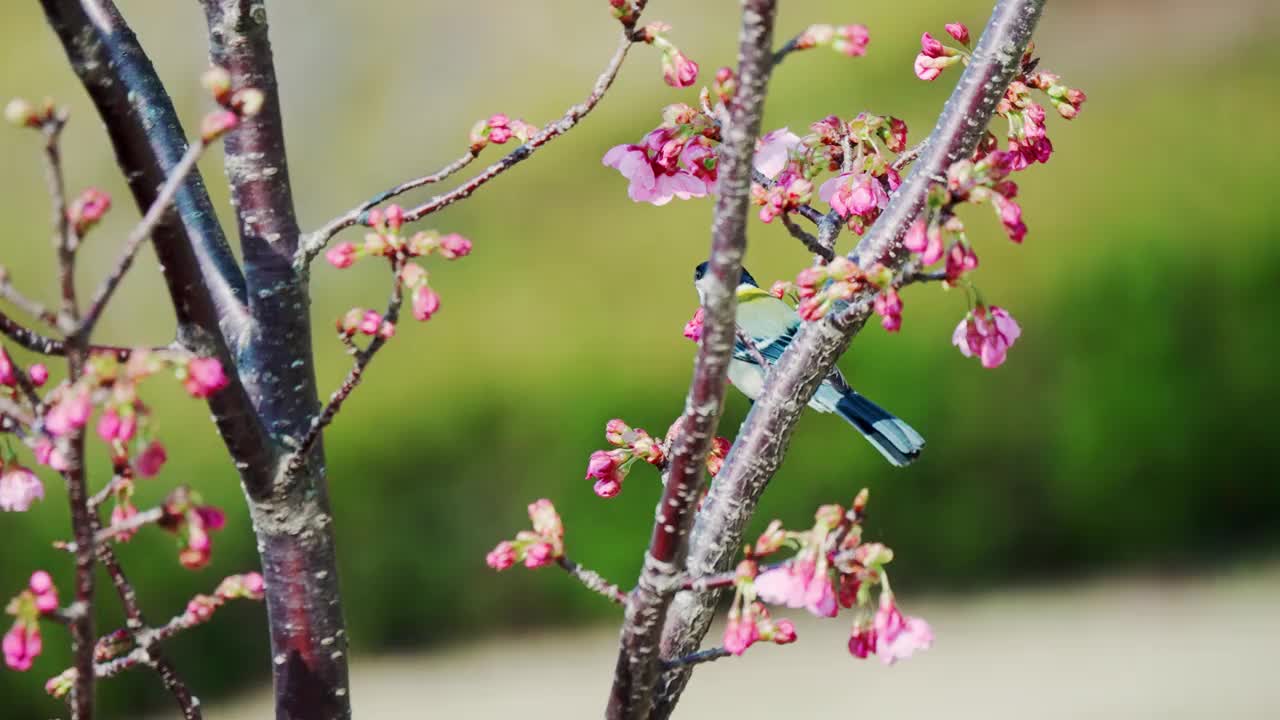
(700, 272)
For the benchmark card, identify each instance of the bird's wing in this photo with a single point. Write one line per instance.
(770, 322)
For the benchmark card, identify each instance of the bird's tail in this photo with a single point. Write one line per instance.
(897, 441)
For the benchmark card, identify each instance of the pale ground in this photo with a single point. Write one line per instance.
(1124, 649)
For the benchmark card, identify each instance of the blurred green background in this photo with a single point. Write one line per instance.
(1128, 429)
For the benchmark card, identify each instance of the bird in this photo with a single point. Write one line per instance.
(772, 324)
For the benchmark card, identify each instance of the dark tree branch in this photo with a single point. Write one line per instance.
(697, 658)
(291, 514)
(637, 668)
(765, 435)
(206, 287)
(809, 240)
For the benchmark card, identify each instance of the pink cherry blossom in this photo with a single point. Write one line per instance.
(926, 240)
(899, 636)
(606, 487)
(8, 374)
(930, 47)
(958, 31)
(370, 322)
(22, 645)
(633, 162)
(426, 302)
(740, 634)
(19, 488)
(454, 246)
(47, 453)
(799, 585)
(987, 333)
(960, 259)
(151, 460)
(678, 70)
(784, 632)
(862, 642)
(502, 556)
(854, 194)
(204, 377)
(693, 328)
(341, 255)
(539, 555)
(121, 514)
(851, 40)
(773, 151)
(39, 374)
(1010, 213)
(888, 305)
(69, 415)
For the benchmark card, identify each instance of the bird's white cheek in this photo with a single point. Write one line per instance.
(747, 378)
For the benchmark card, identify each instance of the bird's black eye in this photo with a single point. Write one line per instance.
(699, 271)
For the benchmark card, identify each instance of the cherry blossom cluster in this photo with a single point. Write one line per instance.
(236, 104)
(22, 643)
(675, 160)
(385, 240)
(849, 40)
(536, 548)
(184, 514)
(499, 129)
(831, 568)
(610, 467)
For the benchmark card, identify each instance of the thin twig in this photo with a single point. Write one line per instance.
(909, 155)
(360, 213)
(25, 304)
(43, 344)
(593, 581)
(64, 240)
(140, 233)
(702, 656)
(745, 338)
(809, 240)
(298, 458)
(312, 244)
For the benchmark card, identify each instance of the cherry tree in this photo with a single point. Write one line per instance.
(244, 343)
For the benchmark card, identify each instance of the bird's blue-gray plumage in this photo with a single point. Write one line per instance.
(772, 324)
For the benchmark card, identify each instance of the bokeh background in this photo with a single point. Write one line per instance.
(1097, 510)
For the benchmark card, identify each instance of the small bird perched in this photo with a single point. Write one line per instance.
(771, 324)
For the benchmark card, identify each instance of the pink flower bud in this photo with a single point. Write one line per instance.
(121, 514)
(248, 102)
(41, 582)
(930, 47)
(426, 302)
(454, 246)
(693, 328)
(602, 465)
(151, 460)
(216, 123)
(341, 255)
(538, 555)
(370, 322)
(784, 632)
(678, 70)
(47, 453)
(87, 209)
(501, 557)
(395, 217)
(614, 431)
(350, 322)
(387, 330)
(607, 487)
(21, 645)
(862, 642)
(958, 31)
(39, 374)
(851, 40)
(204, 377)
(8, 373)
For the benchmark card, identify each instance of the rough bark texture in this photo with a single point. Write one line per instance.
(637, 669)
(764, 437)
(256, 323)
(204, 283)
(291, 517)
